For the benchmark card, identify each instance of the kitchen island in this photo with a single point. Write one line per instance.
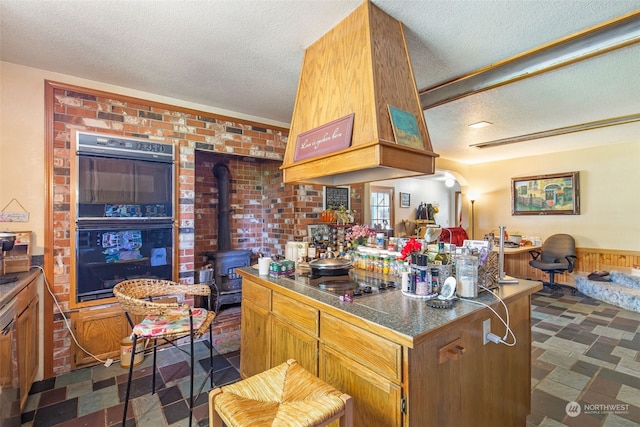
(403, 362)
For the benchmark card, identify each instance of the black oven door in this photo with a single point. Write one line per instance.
(108, 254)
(111, 187)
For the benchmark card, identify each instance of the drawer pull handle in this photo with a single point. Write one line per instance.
(451, 351)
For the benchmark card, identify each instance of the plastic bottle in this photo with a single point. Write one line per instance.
(467, 274)
(414, 273)
(423, 287)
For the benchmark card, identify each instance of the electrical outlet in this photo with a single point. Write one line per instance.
(486, 330)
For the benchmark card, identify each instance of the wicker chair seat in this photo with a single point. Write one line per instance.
(286, 395)
(167, 319)
(173, 323)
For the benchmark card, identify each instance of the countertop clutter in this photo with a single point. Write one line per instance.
(412, 320)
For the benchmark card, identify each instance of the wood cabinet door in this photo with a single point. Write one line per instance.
(468, 382)
(27, 339)
(27, 349)
(255, 339)
(288, 342)
(376, 400)
(99, 331)
(32, 341)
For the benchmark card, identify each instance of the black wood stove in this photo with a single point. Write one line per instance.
(228, 284)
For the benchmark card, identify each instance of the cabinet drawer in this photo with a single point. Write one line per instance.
(379, 354)
(300, 315)
(257, 294)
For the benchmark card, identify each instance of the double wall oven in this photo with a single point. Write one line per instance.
(124, 212)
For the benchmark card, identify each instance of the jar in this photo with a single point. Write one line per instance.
(391, 246)
(385, 262)
(467, 274)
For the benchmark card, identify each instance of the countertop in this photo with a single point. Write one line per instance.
(409, 319)
(520, 249)
(10, 290)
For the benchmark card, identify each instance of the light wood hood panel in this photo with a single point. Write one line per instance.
(361, 66)
(368, 163)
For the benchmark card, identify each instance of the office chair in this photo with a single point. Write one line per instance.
(557, 255)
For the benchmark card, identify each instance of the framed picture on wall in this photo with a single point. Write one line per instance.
(553, 194)
(405, 200)
(405, 128)
(334, 197)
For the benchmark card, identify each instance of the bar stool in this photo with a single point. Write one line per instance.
(286, 395)
(167, 321)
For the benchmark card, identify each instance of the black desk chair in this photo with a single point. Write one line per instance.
(557, 255)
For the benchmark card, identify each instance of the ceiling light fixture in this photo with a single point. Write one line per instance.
(611, 35)
(480, 125)
(560, 131)
(449, 182)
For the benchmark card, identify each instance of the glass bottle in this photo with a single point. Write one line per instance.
(311, 252)
(441, 257)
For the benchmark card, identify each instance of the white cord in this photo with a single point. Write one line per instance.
(66, 322)
(506, 324)
(505, 309)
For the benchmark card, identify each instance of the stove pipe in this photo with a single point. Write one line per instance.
(223, 177)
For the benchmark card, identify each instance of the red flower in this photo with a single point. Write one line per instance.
(411, 246)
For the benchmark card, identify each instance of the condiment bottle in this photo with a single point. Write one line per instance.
(435, 280)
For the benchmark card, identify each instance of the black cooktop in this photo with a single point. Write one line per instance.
(354, 285)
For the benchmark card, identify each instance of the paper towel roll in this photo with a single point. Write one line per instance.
(295, 250)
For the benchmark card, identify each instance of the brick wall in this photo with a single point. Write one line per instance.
(267, 213)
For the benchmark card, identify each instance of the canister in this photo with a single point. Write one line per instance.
(126, 345)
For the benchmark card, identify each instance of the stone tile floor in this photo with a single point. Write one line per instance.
(583, 351)
(585, 363)
(95, 396)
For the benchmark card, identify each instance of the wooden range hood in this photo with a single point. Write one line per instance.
(359, 67)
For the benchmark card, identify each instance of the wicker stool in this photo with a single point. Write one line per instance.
(286, 395)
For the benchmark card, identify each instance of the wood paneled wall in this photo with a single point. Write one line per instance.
(589, 260)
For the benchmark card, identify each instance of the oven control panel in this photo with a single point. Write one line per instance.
(92, 143)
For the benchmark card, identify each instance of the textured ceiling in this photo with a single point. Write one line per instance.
(244, 56)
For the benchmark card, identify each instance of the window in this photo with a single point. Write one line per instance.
(382, 207)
